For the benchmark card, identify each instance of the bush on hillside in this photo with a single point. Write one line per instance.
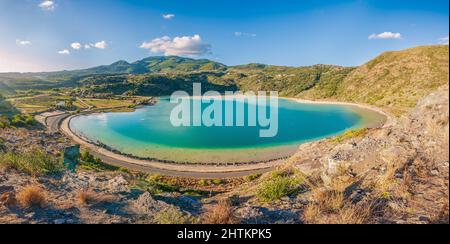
(34, 162)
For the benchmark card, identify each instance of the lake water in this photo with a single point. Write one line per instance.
(148, 133)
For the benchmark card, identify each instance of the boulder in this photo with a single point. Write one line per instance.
(147, 205)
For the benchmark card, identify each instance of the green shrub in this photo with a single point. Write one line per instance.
(2, 144)
(22, 120)
(277, 187)
(155, 184)
(87, 157)
(35, 162)
(349, 134)
(170, 216)
(89, 162)
(203, 182)
(250, 178)
(154, 178)
(4, 122)
(217, 182)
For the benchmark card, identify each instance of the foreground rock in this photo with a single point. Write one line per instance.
(115, 202)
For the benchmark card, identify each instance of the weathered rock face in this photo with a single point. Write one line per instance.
(21, 139)
(117, 185)
(146, 205)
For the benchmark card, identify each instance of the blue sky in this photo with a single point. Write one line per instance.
(43, 35)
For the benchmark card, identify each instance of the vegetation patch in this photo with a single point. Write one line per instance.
(89, 162)
(252, 177)
(155, 184)
(221, 213)
(89, 197)
(33, 162)
(22, 120)
(171, 216)
(349, 135)
(279, 185)
(32, 196)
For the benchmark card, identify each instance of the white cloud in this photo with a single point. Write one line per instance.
(47, 5)
(239, 34)
(168, 16)
(23, 42)
(178, 46)
(64, 52)
(443, 40)
(386, 35)
(76, 45)
(101, 45)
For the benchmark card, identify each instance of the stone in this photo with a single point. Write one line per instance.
(147, 205)
(424, 219)
(118, 184)
(285, 199)
(59, 221)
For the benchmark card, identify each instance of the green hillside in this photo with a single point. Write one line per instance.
(394, 80)
(397, 80)
(151, 84)
(171, 64)
(289, 81)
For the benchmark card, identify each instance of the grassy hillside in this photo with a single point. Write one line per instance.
(151, 84)
(397, 80)
(289, 81)
(171, 64)
(394, 81)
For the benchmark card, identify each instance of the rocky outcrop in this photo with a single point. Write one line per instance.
(417, 145)
(117, 203)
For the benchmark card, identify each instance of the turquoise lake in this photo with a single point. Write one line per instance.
(148, 132)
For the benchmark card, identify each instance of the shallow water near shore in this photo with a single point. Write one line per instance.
(148, 132)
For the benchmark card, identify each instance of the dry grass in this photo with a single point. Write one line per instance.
(334, 209)
(221, 213)
(89, 197)
(331, 204)
(443, 216)
(385, 182)
(8, 199)
(32, 196)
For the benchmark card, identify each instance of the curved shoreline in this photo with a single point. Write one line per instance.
(194, 170)
(390, 120)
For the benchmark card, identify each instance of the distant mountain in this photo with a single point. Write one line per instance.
(10, 82)
(168, 64)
